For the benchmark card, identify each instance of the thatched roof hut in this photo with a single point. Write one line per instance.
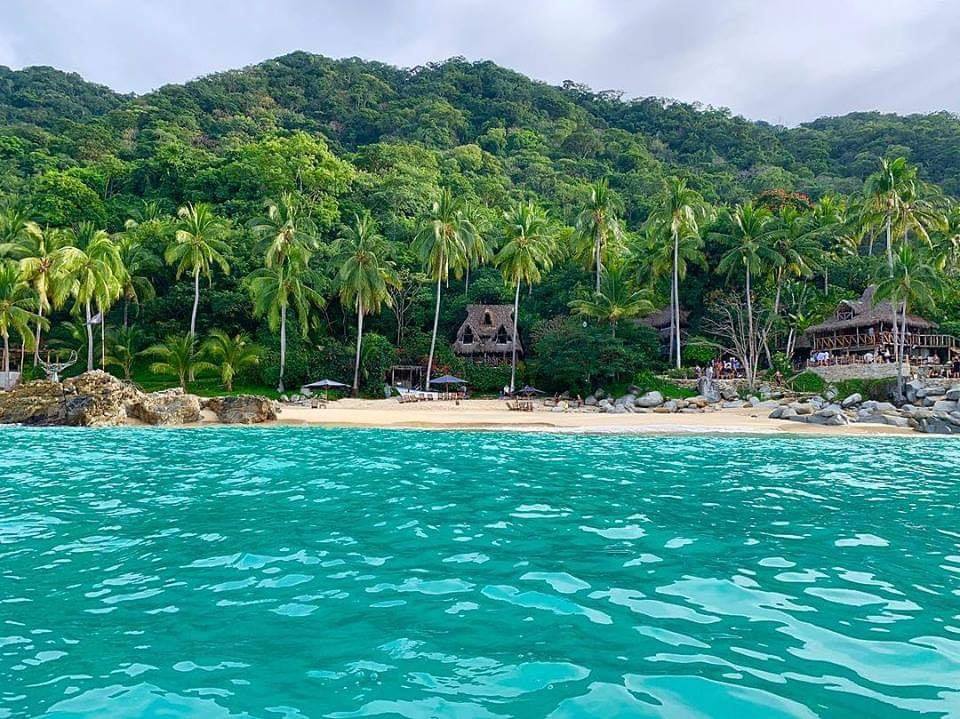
(487, 331)
(862, 313)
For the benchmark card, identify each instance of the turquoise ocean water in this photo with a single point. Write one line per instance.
(295, 572)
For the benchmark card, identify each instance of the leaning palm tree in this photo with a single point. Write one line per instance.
(440, 246)
(748, 231)
(913, 280)
(91, 271)
(598, 226)
(231, 355)
(365, 276)
(275, 290)
(17, 311)
(285, 228)
(675, 226)
(177, 357)
(529, 246)
(618, 299)
(139, 263)
(196, 248)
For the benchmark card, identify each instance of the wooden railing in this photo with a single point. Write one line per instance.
(869, 341)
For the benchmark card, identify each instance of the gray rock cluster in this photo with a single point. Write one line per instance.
(929, 409)
(98, 399)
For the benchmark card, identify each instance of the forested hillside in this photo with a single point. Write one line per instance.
(331, 140)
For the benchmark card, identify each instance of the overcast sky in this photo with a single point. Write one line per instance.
(781, 61)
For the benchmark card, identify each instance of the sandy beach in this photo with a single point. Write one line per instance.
(494, 415)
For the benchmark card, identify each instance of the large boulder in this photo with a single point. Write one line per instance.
(242, 409)
(40, 403)
(851, 400)
(106, 399)
(172, 406)
(945, 405)
(936, 425)
(650, 399)
(953, 394)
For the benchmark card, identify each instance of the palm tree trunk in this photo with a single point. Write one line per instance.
(676, 293)
(103, 337)
(516, 322)
(466, 284)
(196, 302)
(126, 309)
(433, 339)
(36, 346)
(6, 361)
(356, 363)
(596, 251)
(283, 345)
(890, 250)
(89, 337)
(751, 339)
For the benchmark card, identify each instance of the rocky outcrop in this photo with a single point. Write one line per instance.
(98, 399)
(242, 409)
(172, 406)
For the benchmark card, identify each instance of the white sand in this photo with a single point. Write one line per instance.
(493, 414)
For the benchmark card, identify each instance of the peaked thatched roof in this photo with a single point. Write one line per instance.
(866, 313)
(661, 319)
(487, 326)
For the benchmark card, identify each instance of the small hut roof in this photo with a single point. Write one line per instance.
(485, 334)
(867, 313)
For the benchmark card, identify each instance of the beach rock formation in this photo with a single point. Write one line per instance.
(242, 409)
(171, 406)
(98, 399)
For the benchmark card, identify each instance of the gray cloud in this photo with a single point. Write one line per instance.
(766, 59)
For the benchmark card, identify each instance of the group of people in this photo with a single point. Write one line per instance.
(721, 368)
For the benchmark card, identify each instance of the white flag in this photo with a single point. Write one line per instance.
(97, 319)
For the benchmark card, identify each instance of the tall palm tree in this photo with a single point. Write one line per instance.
(196, 248)
(529, 245)
(886, 192)
(913, 280)
(177, 357)
(675, 226)
(365, 276)
(748, 230)
(275, 290)
(17, 312)
(232, 355)
(618, 299)
(285, 228)
(92, 272)
(42, 256)
(441, 247)
(598, 225)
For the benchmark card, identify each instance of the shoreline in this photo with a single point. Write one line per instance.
(492, 415)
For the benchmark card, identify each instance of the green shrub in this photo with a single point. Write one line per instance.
(879, 390)
(807, 382)
(377, 355)
(698, 351)
(646, 381)
(485, 379)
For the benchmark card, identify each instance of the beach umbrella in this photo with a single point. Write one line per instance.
(527, 391)
(326, 385)
(448, 379)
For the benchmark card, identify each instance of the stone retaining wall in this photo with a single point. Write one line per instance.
(840, 373)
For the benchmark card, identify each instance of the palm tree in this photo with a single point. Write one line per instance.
(92, 272)
(365, 276)
(274, 290)
(124, 347)
(177, 357)
(675, 226)
(440, 245)
(196, 248)
(748, 229)
(598, 225)
(42, 256)
(231, 354)
(139, 263)
(285, 228)
(13, 230)
(526, 254)
(17, 304)
(618, 298)
(914, 280)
